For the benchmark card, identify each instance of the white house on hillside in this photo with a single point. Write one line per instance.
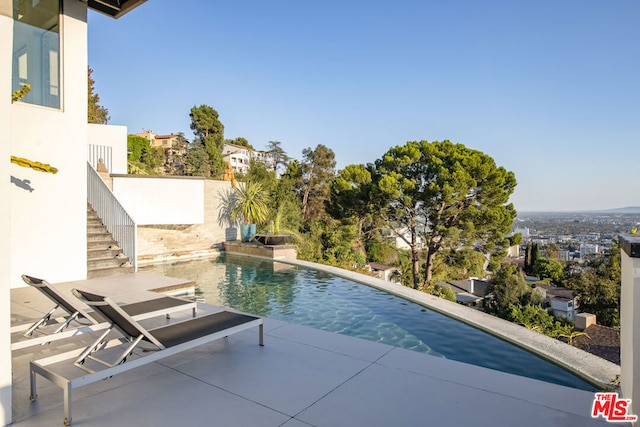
(43, 216)
(240, 157)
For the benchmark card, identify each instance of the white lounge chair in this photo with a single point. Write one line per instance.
(164, 341)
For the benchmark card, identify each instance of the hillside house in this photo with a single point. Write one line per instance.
(562, 301)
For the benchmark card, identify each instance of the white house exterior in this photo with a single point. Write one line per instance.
(240, 157)
(561, 300)
(43, 215)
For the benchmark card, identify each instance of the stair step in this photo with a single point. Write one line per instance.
(100, 263)
(101, 244)
(99, 237)
(95, 227)
(102, 253)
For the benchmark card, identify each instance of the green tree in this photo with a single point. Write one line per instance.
(137, 146)
(461, 264)
(447, 195)
(196, 161)
(142, 157)
(258, 172)
(317, 171)
(381, 251)
(352, 196)
(205, 123)
(552, 251)
(277, 153)
(330, 242)
(176, 155)
(284, 212)
(545, 268)
(533, 317)
(446, 293)
(515, 239)
(597, 286)
(284, 207)
(209, 132)
(533, 256)
(509, 289)
(96, 112)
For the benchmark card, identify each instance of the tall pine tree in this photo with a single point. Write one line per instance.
(96, 113)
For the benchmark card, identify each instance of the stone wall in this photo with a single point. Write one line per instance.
(181, 241)
(257, 249)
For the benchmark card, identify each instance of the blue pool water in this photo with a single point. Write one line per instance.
(322, 301)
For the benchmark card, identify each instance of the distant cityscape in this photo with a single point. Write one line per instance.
(576, 234)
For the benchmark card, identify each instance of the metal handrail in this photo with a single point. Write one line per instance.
(118, 222)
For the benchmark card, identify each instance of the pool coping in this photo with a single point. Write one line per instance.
(591, 368)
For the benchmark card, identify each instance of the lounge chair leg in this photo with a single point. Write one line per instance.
(32, 375)
(261, 332)
(67, 405)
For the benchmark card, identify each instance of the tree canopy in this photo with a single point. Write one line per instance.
(209, 132)
(280, 158)
(318, 169)
(446, 195)
(597, 284)
(142, 157)
(96, 113)
(551, 269)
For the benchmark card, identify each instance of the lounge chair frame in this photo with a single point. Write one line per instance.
(88, 323)
(123, 363)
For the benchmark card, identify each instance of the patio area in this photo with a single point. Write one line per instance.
(301, 377)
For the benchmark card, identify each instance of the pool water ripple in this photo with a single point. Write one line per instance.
(322, 301)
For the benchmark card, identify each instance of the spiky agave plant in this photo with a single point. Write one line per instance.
(249, 203)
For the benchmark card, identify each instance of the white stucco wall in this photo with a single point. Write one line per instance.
(161, 243)
(114, 137)
(161, 200)
(48, 212)
(6, 37)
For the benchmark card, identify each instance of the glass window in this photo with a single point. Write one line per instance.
(36, 50)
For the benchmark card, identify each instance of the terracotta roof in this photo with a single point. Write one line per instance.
(603, 341)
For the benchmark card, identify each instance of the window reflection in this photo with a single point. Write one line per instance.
(36, 50)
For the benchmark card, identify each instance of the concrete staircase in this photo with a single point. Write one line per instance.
(104, 257)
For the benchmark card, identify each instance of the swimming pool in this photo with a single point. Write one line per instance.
(323, 301)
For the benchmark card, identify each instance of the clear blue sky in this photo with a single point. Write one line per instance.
(550, 89)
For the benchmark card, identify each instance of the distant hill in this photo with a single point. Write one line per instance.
(628, 209)
(625, 210)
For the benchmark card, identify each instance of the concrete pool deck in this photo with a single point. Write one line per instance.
(301, 377)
